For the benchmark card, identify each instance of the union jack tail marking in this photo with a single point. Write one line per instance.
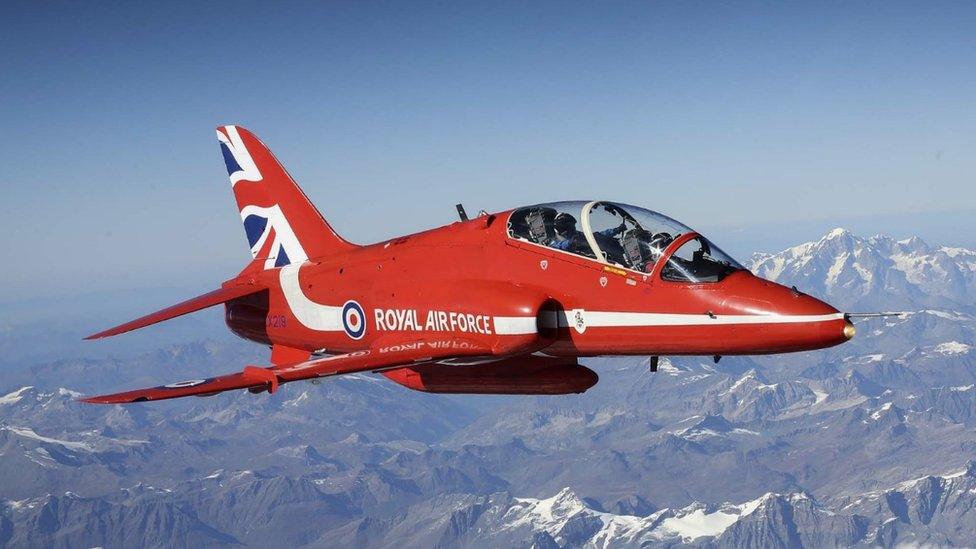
(281, 224)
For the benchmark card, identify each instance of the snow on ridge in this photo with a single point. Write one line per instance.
(838, 267)
(694, 434)
(16, 396)
(552, 514)
(954, 252)
(867, 359)
(698, 524)
(668, 367)
(27, 503)
(695, 521)
(750, 375)
(842, 262)
(957, 474)
(565, 500)
(914, 245)
(689, 523)
(952, 348)
(94, 442)
(876, 415)
(297, 400)
(835, 233)
(865, 274)
(27, 432)
(363, 377)
(944, 477)
(772, 266)
(948, 315)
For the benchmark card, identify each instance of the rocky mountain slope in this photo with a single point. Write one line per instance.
(868, 443)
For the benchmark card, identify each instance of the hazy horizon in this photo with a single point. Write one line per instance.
(759, 124)
(741, 241)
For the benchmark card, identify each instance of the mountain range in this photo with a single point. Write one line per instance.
(868, 443)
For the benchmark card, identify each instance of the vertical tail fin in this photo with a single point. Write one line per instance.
(281, 224)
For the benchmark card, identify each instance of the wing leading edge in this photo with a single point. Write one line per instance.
(258, 379)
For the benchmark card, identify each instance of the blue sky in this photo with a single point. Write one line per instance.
(730, 117)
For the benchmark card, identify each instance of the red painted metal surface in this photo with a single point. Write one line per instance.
(209, 299)
(527, 375)
(467, 289)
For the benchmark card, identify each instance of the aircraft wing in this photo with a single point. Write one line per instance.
(258, 379)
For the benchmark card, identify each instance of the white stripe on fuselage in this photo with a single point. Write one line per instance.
(312, 315)
(515, 325)
(613, 319)
(328, 318)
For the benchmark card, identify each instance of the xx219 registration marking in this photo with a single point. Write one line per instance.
(276, 321)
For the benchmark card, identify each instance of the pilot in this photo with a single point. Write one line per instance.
(643, 248)
(571, 239)
(659, 242)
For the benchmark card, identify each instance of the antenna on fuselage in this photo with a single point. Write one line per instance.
(461, 213)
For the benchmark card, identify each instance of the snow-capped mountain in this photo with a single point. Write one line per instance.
(809, 449)
(875, 274)
(568, 520)
(928, 510)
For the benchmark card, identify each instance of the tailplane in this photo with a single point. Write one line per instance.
(281, 224)
(209, 299)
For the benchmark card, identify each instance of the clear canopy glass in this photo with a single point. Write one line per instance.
(698, 260)
(622, 235)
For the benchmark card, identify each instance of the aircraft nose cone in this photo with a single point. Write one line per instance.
(849, 330)
(798, 322)
(753, 295)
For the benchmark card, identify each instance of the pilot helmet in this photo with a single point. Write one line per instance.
(564, 223)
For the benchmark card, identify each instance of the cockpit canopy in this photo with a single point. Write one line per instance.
(625, 236)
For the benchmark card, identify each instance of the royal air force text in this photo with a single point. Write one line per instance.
(434, 321)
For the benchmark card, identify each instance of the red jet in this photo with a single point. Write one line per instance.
(504, 303)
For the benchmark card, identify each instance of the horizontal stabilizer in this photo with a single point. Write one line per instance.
(209, 299)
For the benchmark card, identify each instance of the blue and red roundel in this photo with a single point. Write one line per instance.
(353, 320)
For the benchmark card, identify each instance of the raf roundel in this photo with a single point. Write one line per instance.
(353, 320)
